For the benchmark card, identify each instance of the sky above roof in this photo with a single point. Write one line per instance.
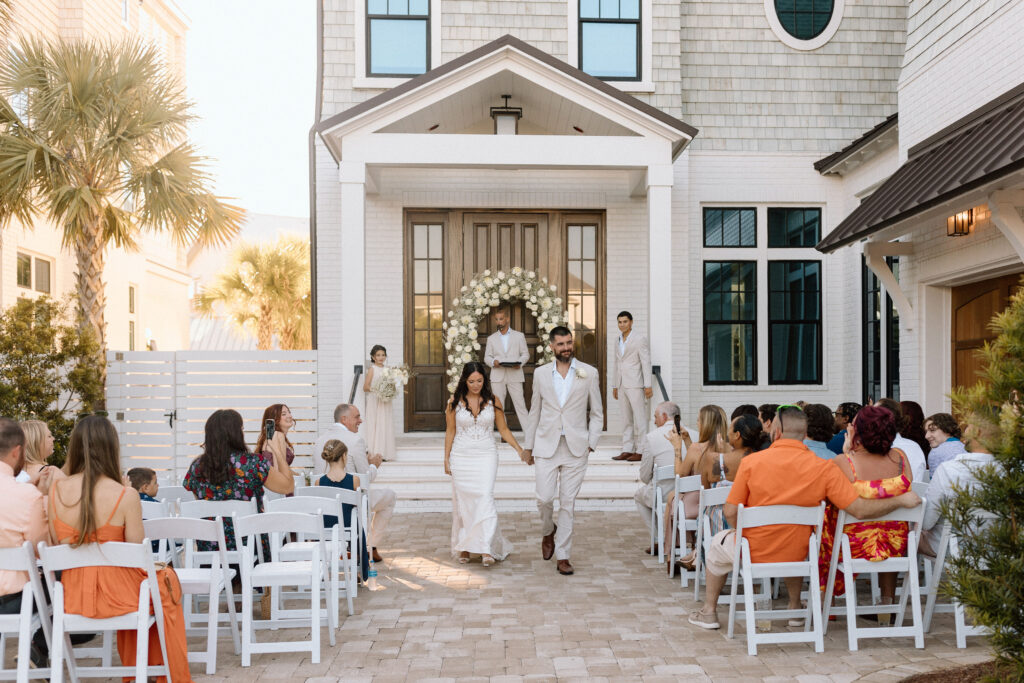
(251, 72)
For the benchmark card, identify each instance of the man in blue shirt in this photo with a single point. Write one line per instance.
(844, 416)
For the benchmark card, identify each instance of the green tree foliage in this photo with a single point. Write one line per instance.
(47, 367)
(988, 577)
(265, 291)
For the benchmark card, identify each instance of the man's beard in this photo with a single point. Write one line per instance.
(564, 356)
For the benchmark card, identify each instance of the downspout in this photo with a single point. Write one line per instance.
(312, 164)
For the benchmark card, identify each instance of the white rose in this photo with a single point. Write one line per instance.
(466, 357)
(451, 314)
(495, 301)
(532, 275)
(487, 272)
(545, 303)
(511, 281)
(581, 373)
(466, 319)
(540, 349)
(514, 291)
(458, 348)
(473, 334)
(455, 301)
(451, 359)
(516, 270)
(479, 312)
(503, 289)
(464, 289)
(533, 299)
(488, 282)
(558, 301)
(476, 346)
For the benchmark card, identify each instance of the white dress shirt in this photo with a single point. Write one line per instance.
(622, 345)
(563, 385)
(504, 338)
(915, 456)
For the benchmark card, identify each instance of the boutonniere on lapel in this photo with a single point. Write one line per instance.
(580, 373)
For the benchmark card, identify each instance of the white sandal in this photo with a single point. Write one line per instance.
(487, 560)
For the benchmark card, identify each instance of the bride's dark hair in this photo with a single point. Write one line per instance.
(462, 390)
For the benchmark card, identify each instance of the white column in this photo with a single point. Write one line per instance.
(659, 236)
(352, 270)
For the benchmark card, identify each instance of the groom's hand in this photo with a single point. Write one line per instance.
(527, 457)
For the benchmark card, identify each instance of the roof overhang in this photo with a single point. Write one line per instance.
(494, 62)
(879, 138)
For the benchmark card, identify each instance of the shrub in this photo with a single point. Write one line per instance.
(47, 368)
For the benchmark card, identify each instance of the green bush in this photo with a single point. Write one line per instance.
(988, 577)
(47, 368)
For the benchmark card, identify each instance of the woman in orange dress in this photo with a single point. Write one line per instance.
(877, 470)
(92, 506)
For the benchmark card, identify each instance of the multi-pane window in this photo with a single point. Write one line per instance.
(881, 342)
(892, 338)
(131, 335)
(25, 271)
(397, 37)
(428, 290)
(581, 289)
(730, 322)
(728, 227)
(609, 39)
(804, 19)
(789, 227)
(794, 322)
(131, 298)
(42, 275)
(33, 273)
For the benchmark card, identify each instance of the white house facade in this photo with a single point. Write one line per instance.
(686, 161)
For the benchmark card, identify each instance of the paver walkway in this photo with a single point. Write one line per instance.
(618, 618)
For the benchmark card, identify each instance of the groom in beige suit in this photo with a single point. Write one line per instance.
(558, 440)
(631, 384)
(505, 347)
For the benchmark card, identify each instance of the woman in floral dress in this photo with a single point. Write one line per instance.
(380, 435)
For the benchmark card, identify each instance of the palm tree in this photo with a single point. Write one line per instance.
(266, 290)
(96, 144)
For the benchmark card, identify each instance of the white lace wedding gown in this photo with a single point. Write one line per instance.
(474, 465)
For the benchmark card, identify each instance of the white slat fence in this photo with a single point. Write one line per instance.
(160, 400)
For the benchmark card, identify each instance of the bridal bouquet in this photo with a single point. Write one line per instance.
(393, 380)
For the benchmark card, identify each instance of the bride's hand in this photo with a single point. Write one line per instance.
(447, 467)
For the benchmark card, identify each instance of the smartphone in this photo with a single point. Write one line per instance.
(268, 429)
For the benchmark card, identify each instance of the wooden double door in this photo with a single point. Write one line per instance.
(974, 306)
(445, 249)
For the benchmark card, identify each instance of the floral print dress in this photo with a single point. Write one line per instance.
(249, 472)
(874, 541)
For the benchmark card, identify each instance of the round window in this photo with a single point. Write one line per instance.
(804, 19)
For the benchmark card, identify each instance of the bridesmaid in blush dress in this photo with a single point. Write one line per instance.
(380, 435)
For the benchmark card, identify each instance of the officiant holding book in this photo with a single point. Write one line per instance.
(505, 354)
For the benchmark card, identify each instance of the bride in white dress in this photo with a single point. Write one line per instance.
(471, 459)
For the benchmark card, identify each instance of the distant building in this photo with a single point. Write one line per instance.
(146, 291)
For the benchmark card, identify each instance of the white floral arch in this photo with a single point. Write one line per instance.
(488, 290)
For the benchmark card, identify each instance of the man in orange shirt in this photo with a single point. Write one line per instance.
(787, 473)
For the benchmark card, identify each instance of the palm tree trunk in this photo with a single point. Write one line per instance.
(265, 333)
(92, 300)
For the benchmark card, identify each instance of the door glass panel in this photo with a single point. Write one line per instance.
(436, 234)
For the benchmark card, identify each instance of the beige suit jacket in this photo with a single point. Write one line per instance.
(632, 369)
(657, 452)
(357, 462)
(517, 352)
(548, 420)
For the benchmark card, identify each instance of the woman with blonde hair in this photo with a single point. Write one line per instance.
(91, 505)
(38, 446)
(335, 454)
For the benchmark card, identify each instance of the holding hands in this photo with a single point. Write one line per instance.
(526, 456)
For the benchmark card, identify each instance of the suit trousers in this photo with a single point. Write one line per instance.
(644, 499)
(635, 410)
(515, 391)
(559, 476)
(382, 506)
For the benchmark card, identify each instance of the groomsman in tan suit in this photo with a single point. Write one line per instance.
(559, 436)
(504, 347)
(631, 377)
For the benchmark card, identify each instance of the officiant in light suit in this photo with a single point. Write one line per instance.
(505, 354)
(631, 384)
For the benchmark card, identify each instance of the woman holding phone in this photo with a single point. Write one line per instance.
(273, 440)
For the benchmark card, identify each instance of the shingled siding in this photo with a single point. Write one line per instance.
(745, 90)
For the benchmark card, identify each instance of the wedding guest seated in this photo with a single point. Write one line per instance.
(844, 416)
(913, 424)
(787, 473)
(38, 448)
(283, 423)
(910, 448)
(382, 500)
(145, 482)
(657, 451)
(943, 434)
(958, 473)
(877, 470)
(335, 454)
(820, 424)
(766, 412)
(745, 409)
(91, 505)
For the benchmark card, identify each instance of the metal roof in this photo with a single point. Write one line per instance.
(823, 165)
(977, 151)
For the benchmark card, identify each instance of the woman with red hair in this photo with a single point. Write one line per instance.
(877, 470)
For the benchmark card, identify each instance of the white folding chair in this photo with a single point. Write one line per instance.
(949, 547)
(226, 510)
(856, 568)
(681, 525)
(709, 499)
(743, 569)
(661, 474)
(34, 614)
(357, 528)
(920, 487)
(278, 573)
(155, 509)
(172, 494)
(210, 581)
(62, 558)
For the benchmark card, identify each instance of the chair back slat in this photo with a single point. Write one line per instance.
(347, 497)
(688, 484)
(278, 522)
(154, 509)
(913, 515)
(18, 559)
(215, 508)
(919, 487)
(769, 515)
(176, 528)
(664, 473)
(714, 496)
(173, 493)
(58, 558)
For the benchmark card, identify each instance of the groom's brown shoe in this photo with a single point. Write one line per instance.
(624, 455)
(547, 544)
(564, 568)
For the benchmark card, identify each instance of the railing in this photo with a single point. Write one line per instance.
(355, 383)
(656, 370)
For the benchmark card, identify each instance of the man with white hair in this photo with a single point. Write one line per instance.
(657, 451)
(382, 500)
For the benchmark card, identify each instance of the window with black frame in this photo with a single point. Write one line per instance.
(793, 227)
(609, 39)
(871, 350)
(730, 227)
(794, 322)
(730, 322)
(804, 19)
(397, 37)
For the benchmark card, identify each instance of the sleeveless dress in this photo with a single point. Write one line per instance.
(873, 541)
(474, 465)
(104, 592)
(716, 516)
(346, 509)
(380, 433)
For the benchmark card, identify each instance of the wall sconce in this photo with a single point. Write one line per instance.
(960, 224)
(506, 118)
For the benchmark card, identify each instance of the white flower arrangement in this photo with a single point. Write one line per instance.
(486, 291)
(392, 382)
